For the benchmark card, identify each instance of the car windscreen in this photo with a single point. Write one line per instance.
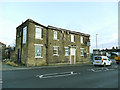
(98, 58)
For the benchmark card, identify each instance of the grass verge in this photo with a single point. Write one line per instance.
(12, 63)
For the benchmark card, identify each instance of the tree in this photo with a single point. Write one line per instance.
(113, 48)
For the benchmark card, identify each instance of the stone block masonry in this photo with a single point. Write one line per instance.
(38, 45)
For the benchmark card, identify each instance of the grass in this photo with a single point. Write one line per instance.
(12, 63)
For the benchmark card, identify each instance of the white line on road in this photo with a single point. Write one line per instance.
(100, 69)
(56, 74)
(1, 82)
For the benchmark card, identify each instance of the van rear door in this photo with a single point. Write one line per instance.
(98, 60)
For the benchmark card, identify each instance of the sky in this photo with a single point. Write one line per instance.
(87, 17)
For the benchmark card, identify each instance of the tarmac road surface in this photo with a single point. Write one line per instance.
(85, 76)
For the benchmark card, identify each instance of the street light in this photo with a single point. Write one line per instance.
(96, 41)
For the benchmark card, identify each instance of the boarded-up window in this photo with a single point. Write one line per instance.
(55, 35)
(81, 39)
(72, 51)
(38, 33)
(24, 34)
(72, 38)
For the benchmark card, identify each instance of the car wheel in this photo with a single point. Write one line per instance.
(104, 65)
(117, 62)
(110, 64)
(95, 65)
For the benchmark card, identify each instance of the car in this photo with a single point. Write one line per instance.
(101, 60)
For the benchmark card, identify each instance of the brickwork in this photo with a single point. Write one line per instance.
(25, 53)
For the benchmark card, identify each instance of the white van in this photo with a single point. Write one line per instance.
(101, 60)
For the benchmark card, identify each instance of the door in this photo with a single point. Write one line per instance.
(72, 55)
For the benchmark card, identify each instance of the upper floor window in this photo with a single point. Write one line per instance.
(55, 35)
(24, 34)
(38, 33)
(66, 51)
(82, 51)
(81, 39)
(55, 50)
(38, 50)
(72, 38)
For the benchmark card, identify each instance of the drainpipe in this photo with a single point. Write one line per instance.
(47, 45)
(21, 42)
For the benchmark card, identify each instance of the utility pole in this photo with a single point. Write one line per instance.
(96, 41)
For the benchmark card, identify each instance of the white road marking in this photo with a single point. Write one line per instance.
(40, 76)
(71, 72)
(1, 82)
(100, 69)
(56, 74)
(92, 70)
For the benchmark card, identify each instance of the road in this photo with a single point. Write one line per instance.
(83, 76)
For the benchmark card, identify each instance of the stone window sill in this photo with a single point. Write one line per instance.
(38, 57)
(55, 55)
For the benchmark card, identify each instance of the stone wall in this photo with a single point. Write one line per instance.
(27, 50)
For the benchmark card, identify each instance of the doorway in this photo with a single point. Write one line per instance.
(72, 56)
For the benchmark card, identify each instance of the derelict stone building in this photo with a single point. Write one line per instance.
(38, 45)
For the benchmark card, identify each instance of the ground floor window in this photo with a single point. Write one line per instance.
(38, 50)
(55, 50)
(66, 51)
(81, 51)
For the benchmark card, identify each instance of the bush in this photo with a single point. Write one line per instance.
(12, 64)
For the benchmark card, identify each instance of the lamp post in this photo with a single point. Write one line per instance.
(96, 41)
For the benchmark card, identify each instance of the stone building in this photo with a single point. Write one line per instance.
(9, 52)
(38, 45)
(2, 50)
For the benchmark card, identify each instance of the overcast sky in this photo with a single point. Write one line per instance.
(87, 17)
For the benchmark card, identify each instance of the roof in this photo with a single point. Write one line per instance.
(72, 32)
(55, 28)
(30, 20)
(111, 50)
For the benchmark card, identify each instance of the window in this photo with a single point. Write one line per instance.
(55, 50)
(55, 35)
(88, 43)
(82, 51)
(38, 33)
(98, 58)
(72, 38)
(81, 39)
(24, 34)
(38, 50)
(66, 51)
(104, 58)
(72, 51)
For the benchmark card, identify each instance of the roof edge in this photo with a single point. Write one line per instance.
(72, 32)
(30, 20)
(55, 28)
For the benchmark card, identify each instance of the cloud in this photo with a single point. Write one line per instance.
(7, 31)
(107, 34)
